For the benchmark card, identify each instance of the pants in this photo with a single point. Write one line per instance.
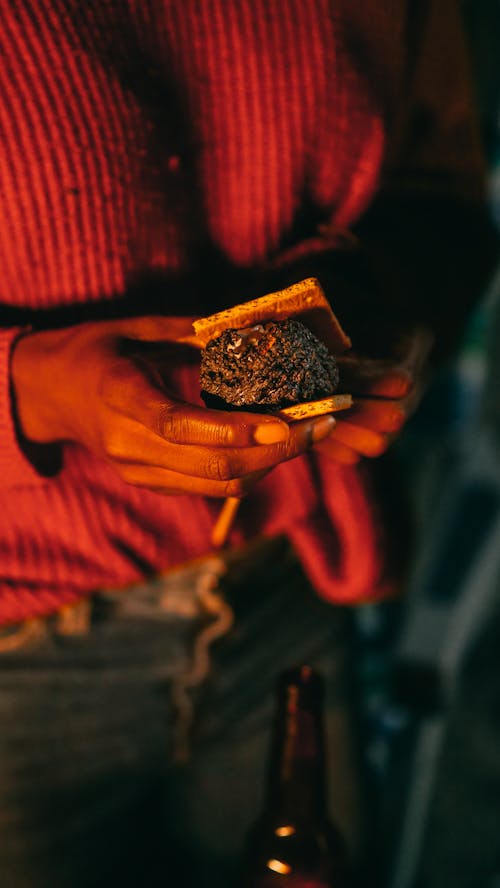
(89, 793)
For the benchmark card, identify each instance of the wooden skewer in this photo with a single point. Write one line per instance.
(224, 523)
(214, 603)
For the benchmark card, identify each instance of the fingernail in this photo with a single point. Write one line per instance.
(271, 433)
(322, 428)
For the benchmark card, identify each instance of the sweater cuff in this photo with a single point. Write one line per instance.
(16, 470)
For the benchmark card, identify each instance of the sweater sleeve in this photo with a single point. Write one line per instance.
(17, 468)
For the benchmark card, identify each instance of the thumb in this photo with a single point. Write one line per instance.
(157, 328)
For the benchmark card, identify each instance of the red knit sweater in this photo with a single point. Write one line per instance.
(136, 138)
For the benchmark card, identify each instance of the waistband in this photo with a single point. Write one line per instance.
(184, 592)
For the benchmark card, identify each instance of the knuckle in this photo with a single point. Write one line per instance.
(170, 423)
(220, 467)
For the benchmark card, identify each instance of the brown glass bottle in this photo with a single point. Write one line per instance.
(294, 844)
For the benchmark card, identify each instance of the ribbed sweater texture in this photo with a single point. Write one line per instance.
(133, 133)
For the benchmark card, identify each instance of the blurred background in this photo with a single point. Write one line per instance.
(429, 667)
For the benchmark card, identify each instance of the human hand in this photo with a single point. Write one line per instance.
(385, 392)
(90, 384)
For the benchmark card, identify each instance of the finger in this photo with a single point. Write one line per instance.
(381, 415)
(362, 440)
(170, 482)
(189, 424)
(339, 452)
(131, 443)
(370, 377)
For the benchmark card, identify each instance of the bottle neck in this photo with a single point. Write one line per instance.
(297, 775)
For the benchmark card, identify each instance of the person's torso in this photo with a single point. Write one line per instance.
(137, 136)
